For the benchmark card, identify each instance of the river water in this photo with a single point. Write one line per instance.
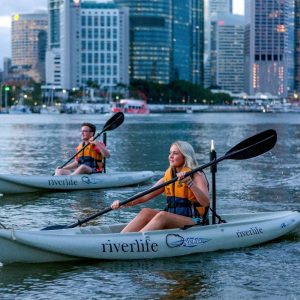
(36, 144)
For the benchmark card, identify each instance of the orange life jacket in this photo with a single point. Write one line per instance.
(180, 199)
(90, 157)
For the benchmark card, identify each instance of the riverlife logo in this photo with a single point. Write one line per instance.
(249, 232)
(88, 180)
(68, 181)
(287, 223)
(176, 240)
(136, 246)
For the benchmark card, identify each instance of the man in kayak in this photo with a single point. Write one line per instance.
(187, 198)
(89, 160)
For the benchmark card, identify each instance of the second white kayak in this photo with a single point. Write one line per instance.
(11, 184)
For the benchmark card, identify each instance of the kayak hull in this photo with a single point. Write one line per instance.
(12, 184)
(107, 243)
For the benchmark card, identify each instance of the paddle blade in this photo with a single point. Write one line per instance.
(115, 121)
(253, 146)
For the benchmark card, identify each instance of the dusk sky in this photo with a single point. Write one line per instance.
(9, 8)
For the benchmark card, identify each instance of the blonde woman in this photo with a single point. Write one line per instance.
(187, 199)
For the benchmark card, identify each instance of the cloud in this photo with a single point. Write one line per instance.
(9, 7)
(5, 22)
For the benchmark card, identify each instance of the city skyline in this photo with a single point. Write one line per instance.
(10, 8)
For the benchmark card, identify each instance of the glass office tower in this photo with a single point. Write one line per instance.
(297, 49)
(150, 38)
(181, 40)
(53, 19)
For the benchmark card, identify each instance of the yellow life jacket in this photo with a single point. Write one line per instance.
(90, 157)
(180, 199)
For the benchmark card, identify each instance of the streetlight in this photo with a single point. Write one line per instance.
(6, 90)
(296, 96)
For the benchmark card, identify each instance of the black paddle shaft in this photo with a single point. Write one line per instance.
(251, 147)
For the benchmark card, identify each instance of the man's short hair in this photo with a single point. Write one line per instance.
(90, 125)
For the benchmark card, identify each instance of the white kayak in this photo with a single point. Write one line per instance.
(107, 243)
(11, 184)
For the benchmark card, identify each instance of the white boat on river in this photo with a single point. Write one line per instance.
(11, 184)
(107, 243)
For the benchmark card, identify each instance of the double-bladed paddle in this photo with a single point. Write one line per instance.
(251, 147)
(112, 123)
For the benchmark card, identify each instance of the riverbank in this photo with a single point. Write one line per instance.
(185, 108)
(97, 108)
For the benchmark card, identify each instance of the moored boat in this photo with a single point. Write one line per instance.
(50, 110)
(107, 243)
(131, 106)
(11, 184)
(19, 109)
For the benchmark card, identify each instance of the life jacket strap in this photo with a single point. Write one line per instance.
(218, 217)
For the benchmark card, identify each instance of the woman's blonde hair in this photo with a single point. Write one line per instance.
(188, 152)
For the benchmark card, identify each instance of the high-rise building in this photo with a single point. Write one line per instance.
(227, 53)
(92, 45)
(181, 59)
(6, 67)
(54, 23)
(213, 9)
(297, 49)
(291, 61)
(267, 50)
(167, 39)
(69, 43)
(220, 7)
(150, 39)
(206, 39)
(104, 44)
(29, 40)
(200, 42)
(53, 70)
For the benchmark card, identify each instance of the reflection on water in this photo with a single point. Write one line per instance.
(37, 144)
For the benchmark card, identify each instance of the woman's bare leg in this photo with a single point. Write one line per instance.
(59, 172)
(83, 169)
(143, 217)
(166, 220)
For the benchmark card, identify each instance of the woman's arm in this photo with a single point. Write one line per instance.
(198, 185)
(145, 198)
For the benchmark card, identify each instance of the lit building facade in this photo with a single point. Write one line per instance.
(28, 44)
(150, 39)
(297, 49)
(181, 59)
(227, 53)
(269, 59)
(54, 23)
(200, 42)
(53, 70)
(104, 44)
(291, 61)
(220, 6)
(92, 46)
(167, 39)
